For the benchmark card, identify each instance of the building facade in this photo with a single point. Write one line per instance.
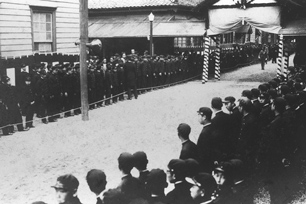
(38, 26)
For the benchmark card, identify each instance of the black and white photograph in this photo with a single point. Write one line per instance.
(152, 101)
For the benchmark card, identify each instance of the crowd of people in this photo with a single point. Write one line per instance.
(46, 90)
(261, 132)
(49, 90)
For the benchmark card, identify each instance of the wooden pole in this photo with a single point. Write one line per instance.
(83, 57)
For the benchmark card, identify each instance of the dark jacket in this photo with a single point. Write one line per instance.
(189, 150)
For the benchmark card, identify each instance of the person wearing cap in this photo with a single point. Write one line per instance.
(155, 185)
(176, 174)
(130, 186)
(66, 187)
(206, 141)
(189, 148)
(96, 180)
(222, 128)
(203, 188)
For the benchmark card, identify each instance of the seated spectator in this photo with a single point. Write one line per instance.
(204, 186)
(156, 184)
(66, 187)
(96, 180)
(189, 148)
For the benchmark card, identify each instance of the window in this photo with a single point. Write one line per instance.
(43, 28)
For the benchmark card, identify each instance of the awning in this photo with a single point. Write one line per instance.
(294, 28)
(139, 26)
(226, 20)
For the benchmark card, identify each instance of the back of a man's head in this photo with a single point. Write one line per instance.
(184, 130)
(96, 180)
(126, 162)
(216, 103)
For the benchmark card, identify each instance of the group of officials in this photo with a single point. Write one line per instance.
(260, 132)
(49, 90)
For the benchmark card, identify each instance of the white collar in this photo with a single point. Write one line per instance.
(218, 111)
(206, 125)
(207, 201)
(184, 141)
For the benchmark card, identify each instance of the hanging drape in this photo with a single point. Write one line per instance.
(226, 20)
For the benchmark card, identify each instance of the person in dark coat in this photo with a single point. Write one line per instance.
(206, 144)
(156, 184)
(27, 101)
(55, 95)
(140, 163)
(3, 112)
(222, 124)
(68, 91)
(249, 133)
(189, 148)
(176, 173)
(12, 103)
(130, 77)
(96, 180)
(108, 83)
(99, 86)
(203, 187)
(43, 96)
(66, 187)
(130, 186)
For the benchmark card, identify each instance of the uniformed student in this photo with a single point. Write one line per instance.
(155, 185)
(189, 148)
(203, 188)
(66, 187)
(176, 174)
(96, 180)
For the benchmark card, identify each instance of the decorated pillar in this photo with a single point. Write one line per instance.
(286, 61)
(206, 57)
(280, 55)
(217, 58)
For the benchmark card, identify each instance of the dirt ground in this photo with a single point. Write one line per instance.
(31, 161)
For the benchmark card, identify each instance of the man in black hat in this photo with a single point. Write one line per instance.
(176, 173)
(96, 180)
(189, 148)
(203, 188)
(66, 188)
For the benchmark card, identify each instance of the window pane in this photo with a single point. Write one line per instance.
(42, 27)
(48, 17)
(35, 27)
(49, 36)
(42, 17)
(36, 17)
(48, 27)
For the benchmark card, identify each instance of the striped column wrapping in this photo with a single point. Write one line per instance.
(217, 59)
(286, 64)
(205, 63)
(280, 56)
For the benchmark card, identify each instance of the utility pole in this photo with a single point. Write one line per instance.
(83, 57)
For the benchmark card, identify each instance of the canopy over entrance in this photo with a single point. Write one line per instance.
(126, 26)
(230, 16)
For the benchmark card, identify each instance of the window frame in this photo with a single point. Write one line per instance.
(52, 11)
